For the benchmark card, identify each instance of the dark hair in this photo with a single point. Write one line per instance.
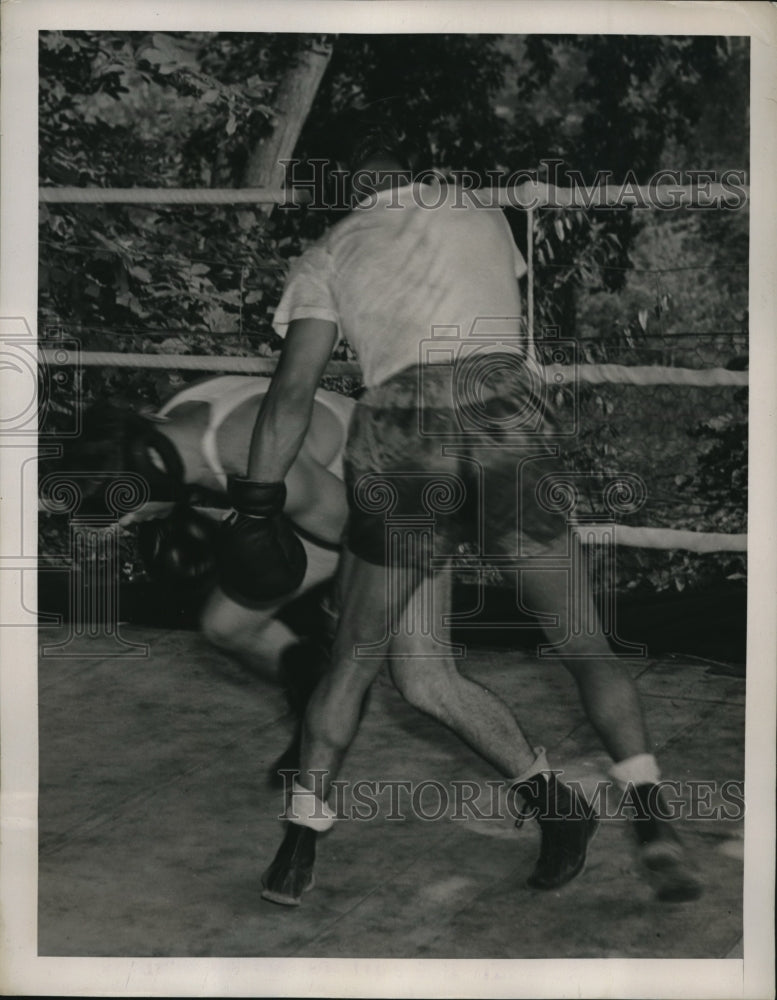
(116, 439)
(101, 446)
(363, 133)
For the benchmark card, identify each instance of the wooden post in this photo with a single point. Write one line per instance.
(292, 101)
(530, 277)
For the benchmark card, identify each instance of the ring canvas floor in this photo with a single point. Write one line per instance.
(156, 821)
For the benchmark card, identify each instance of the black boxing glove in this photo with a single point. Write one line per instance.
(180, 550)
(260, 559)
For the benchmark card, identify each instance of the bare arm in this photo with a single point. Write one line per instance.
(284, 417)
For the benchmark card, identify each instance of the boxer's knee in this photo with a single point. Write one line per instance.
(231, 628)
(216, 627)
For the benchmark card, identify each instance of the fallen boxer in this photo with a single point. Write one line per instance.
(185, 453)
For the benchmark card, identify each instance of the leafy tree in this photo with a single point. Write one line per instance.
(627, 105)
(143, 109)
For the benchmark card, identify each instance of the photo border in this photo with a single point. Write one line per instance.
(22, 971)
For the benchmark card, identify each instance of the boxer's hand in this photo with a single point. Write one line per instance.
(260, 558)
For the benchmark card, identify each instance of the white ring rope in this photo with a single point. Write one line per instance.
(553, 374)
(628, 535)
(535, 194)
(665, 538)
(530, 194)
(180, 362)
(643, 375)
(702, 542)
(170, 196)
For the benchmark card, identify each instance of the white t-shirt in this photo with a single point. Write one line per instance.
(402, 265)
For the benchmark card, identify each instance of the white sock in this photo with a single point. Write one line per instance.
(538, 765)
(641, 769)
(307, 809)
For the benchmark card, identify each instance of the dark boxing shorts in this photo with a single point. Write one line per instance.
(452, 459)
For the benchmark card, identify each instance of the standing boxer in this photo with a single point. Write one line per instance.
(405, 260)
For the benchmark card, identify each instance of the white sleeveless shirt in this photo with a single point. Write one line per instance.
(225, 393)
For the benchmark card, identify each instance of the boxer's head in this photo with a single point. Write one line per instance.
(369, 135)
(116, 439)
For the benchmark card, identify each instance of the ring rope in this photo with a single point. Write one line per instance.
(530, 194)
(180, 362)
(666, 538)
(702, 542)
(170, 196)
(628, 535)
(553, 374)
(643, 375)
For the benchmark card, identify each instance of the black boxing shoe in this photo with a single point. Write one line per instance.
(567, 826)
(291, 871)
(663, 857)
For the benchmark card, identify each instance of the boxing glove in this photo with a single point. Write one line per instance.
(179, 550)
(260, 559)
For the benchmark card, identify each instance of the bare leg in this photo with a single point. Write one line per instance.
(253, 636)
(608, 693)
(434, 685)
(333, 713)
(612, 704)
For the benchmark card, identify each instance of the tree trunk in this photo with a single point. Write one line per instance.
(292, 102)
